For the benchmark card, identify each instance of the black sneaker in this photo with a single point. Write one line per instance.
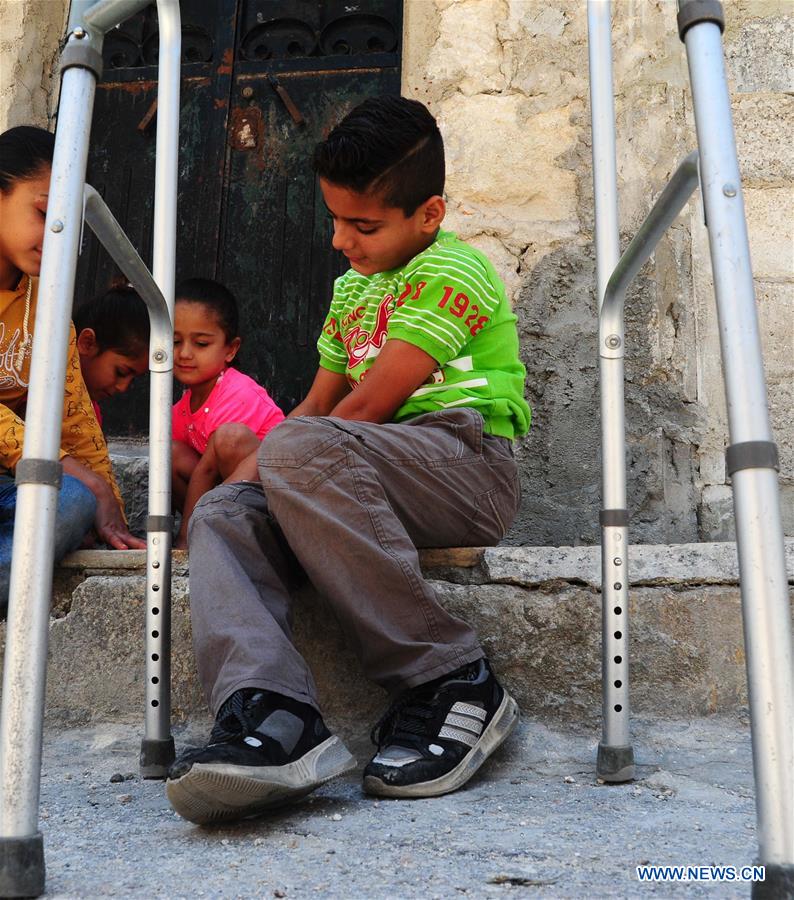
(436, 736)
(264, 751)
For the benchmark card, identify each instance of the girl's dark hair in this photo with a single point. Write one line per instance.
(388, 146)
(118, 318)
(216, 298)
(25, 151)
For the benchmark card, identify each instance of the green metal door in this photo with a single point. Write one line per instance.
(263, 81)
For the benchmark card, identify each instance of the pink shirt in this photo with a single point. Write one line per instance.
(235, 398)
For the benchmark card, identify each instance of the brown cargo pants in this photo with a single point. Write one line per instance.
(347, 504)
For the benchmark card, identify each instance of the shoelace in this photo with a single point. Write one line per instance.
(405, 720)
(234, 718)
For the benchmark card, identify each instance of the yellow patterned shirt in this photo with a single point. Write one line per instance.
(81, 436)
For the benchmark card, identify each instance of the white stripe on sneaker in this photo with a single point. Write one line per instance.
(467, 709)
(472, 725)
(456, 734)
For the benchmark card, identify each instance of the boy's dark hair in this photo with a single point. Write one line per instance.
(118, 318)
(215, 297)
(389, 146)
(25, 151)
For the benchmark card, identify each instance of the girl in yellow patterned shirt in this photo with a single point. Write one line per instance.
(89, 497)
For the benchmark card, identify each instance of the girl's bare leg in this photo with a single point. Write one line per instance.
(227, 447)
(184, 460)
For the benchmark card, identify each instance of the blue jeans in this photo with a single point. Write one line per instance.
(73, 519)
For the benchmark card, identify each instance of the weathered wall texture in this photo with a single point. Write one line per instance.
(508, 81)
(30, 31)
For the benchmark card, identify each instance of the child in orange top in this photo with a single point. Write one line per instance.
(89, 494)
(113, 342)
(223, 415)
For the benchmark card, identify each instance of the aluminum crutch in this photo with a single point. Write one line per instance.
(752, 459)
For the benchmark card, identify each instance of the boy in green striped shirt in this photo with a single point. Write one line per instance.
(403, 441)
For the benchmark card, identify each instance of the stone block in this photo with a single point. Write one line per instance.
(131, 468)
(513, 187)
(775, 302)
(780, 394)
(467, 55)
(758, 53)
(764, 123)
(770, 224)
(715, 513)
(30, 34)
(716, 519)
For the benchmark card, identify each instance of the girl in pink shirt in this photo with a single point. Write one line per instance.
(223, 415)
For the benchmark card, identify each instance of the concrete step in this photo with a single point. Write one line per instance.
(536, 609)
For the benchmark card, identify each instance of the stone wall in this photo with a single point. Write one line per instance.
(30, 31)
(508, 81)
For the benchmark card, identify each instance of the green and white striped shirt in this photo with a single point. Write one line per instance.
(449, 301)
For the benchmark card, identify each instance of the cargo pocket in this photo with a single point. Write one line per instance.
(495, 511)
(300, 454)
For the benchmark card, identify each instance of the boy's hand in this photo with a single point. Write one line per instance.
(109, 523)
(327, 390)
(111, 528)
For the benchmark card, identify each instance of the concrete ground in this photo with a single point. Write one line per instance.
(533, 823)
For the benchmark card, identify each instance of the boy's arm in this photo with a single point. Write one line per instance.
(327, 390)
(397, 372)
(109, 522)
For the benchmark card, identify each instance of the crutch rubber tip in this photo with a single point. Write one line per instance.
(22, 866)
(778, 883)
(156, 757)
(615, 764)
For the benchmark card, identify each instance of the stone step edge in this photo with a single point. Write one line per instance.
(648, 564)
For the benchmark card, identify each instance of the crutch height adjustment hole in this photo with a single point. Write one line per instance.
(618, 707)
(618, 659)
(618, 635)
(155, 656)
(155, 610)
(155, 702)
(617, 585)
(155, 679)
(155, 634)
(618, 610)
(618, 683)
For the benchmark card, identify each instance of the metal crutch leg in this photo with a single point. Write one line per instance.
(38, 475)
(751, 456)
(22, 869)
(615, 761)
(157, 746)
(156, 753)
